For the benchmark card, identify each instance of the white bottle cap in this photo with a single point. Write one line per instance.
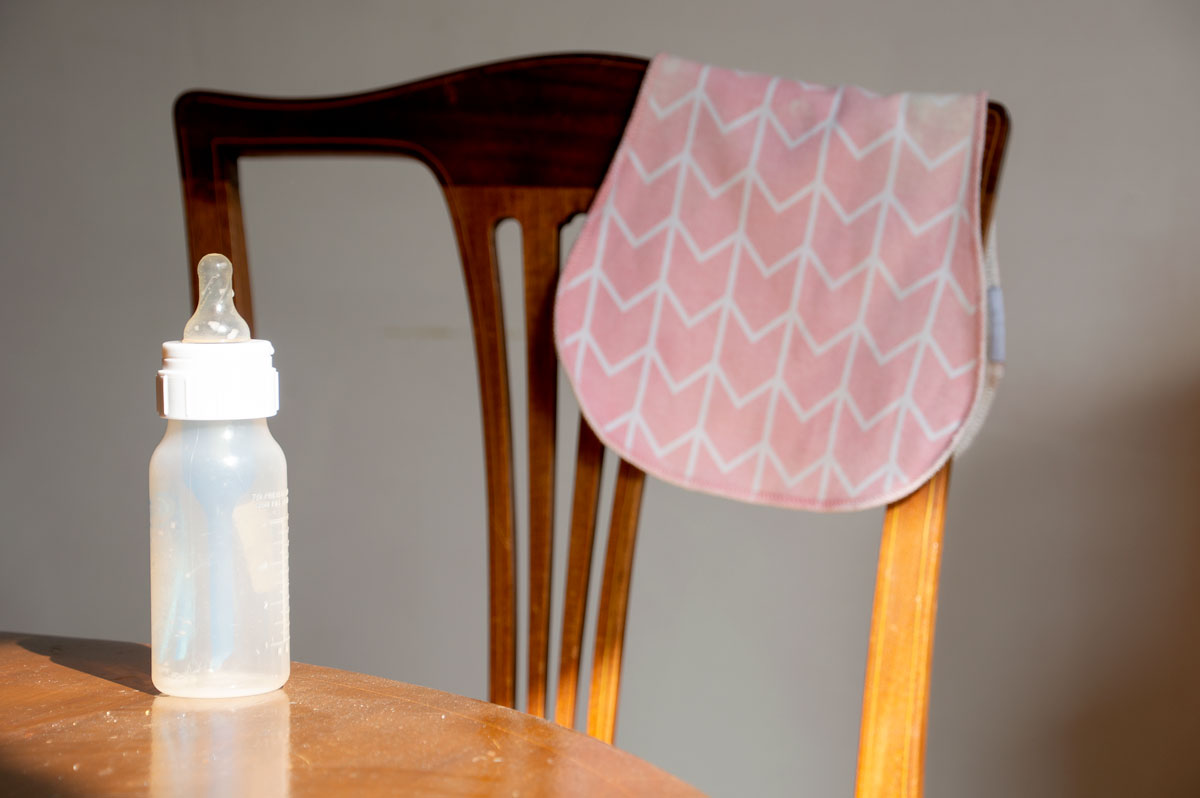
(215, 382)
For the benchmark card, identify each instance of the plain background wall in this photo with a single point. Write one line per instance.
(1067, 642)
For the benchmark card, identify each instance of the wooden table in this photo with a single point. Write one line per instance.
(80, 717)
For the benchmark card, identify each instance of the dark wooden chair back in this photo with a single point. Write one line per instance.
(530, 139)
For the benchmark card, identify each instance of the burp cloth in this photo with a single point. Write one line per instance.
(779, 294)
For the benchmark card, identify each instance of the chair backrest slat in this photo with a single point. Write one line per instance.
(475, 226)
(614, 603)
(891, 751)
(589, 462)
(541, 223)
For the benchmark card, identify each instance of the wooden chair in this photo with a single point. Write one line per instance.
(530, 139)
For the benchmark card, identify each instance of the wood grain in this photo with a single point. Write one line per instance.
(474, 225)
(900, 652)
(539, 235)
(550, 121)
(79, 717)
(614, 603)
(589, 460)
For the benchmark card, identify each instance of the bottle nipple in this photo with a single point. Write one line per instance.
(216, 320)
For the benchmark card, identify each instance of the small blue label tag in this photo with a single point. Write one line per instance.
(995, 302)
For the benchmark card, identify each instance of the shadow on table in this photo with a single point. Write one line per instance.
(126, 664)
(14, 784)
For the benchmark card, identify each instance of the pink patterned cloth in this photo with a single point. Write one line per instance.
(779, 293)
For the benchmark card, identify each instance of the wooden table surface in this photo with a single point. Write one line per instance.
(81, 717)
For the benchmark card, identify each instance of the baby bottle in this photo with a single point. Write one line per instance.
(218, 508)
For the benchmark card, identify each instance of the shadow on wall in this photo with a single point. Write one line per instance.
(1069, 627)
(1131, 725)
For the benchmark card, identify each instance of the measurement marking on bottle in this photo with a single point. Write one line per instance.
(270, 500)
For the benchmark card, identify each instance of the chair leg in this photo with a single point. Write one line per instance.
(891, 754)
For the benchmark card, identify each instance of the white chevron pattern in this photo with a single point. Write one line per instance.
(777, 294)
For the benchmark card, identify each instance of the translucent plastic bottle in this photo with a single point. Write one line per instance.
(218, 509)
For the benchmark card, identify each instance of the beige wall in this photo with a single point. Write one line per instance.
(1068, 638)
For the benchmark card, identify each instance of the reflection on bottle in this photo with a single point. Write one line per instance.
(221, 747)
